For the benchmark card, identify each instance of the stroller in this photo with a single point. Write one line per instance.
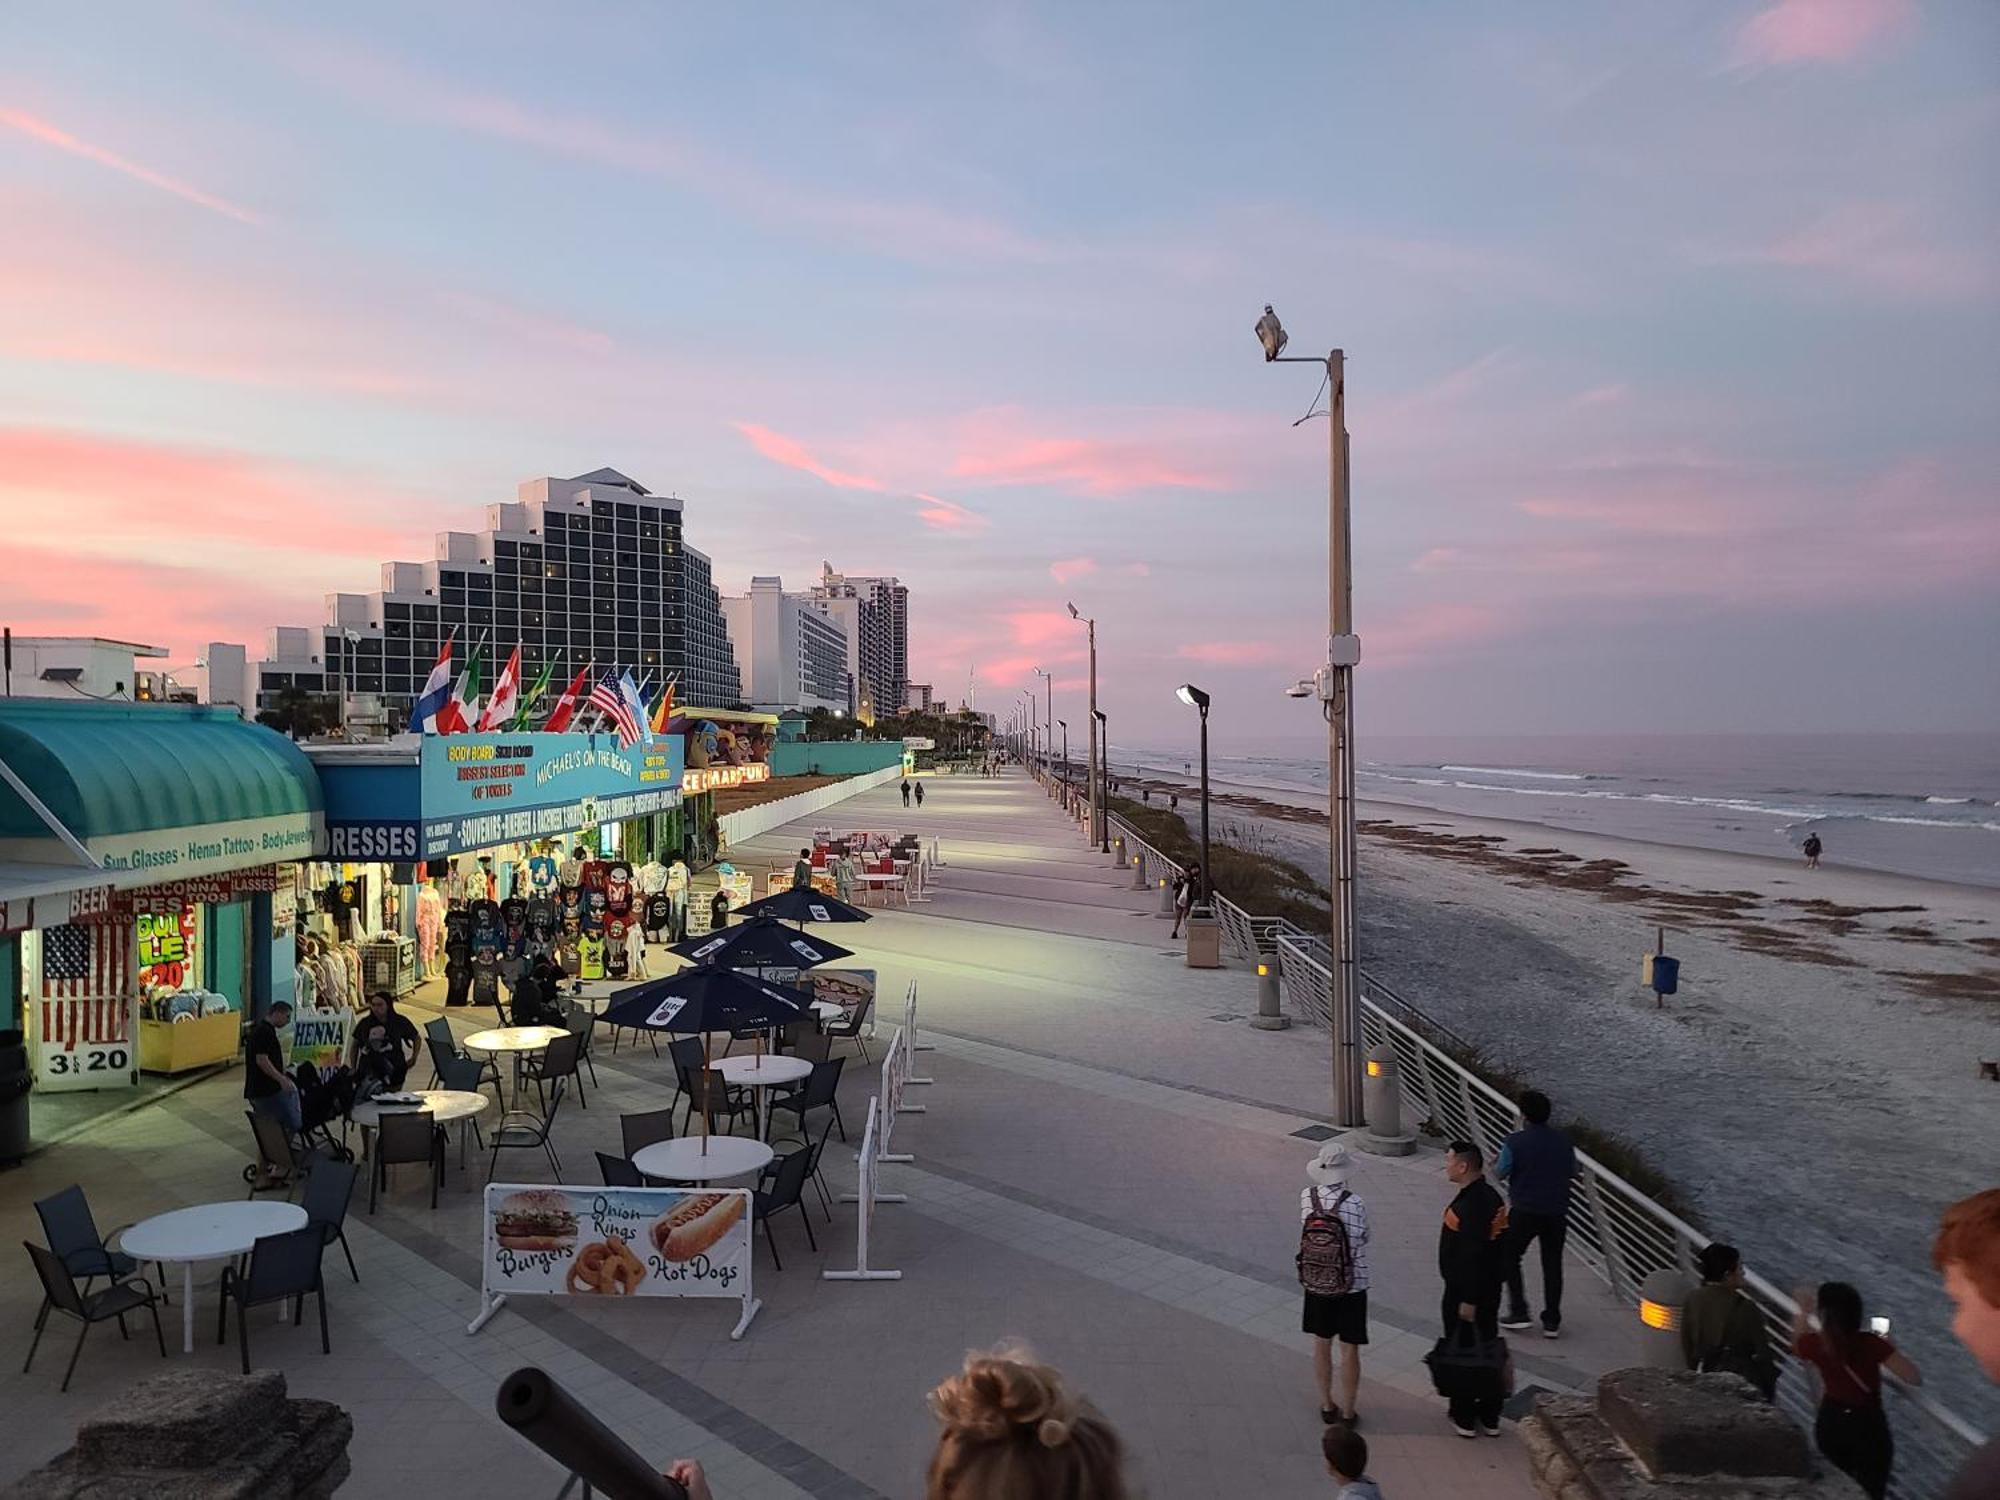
(324, 1097)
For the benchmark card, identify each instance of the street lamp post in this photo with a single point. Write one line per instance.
(1048, 713)
(1334, 683)
(1195, 698)
(1100, 826)
(1103, 758)
(1065, 737)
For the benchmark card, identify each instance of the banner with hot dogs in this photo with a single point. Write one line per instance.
(611, 1243)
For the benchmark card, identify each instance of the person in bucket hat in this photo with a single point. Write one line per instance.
(1333, 1273)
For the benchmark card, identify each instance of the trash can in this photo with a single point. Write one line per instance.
(1204, 941)
(15, 1081)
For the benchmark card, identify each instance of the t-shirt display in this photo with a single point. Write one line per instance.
(542, 872)
(617, 960)
(618, 887)
(589, 956)
(487, 931)
(658, 914)
(486, 977)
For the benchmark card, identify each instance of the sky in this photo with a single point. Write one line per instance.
(1672, 333)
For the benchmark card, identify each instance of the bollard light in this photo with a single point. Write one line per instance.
(1138, 873)
(1166, 898)
(1269, 1016)
(1662, 1301)
(1382, 1105)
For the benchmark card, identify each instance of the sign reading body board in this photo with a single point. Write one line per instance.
(615, 1242)
(478, 790)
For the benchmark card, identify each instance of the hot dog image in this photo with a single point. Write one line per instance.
(535, 1219)
(695, 1223)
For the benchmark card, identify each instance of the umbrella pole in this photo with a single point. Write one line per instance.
(704, 1093)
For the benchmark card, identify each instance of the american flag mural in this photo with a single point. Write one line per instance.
(86, 976)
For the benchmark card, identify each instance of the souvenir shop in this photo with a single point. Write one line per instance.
(456, 859)
(726, 748)
(144, 861)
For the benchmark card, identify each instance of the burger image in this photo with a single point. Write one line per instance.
(535, 1219)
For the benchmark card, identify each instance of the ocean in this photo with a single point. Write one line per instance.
(1926, 805)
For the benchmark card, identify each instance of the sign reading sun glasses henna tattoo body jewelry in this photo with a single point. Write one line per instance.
(612, 1243)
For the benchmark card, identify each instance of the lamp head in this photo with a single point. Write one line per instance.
(1192, 696)
(1271, 334)
(1073, 614)
(1303, 688)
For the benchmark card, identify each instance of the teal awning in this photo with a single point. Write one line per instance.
(115, 773)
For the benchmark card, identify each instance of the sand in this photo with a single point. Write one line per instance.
(1814, 1087)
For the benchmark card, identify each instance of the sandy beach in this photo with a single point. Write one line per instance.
(1814, 1086)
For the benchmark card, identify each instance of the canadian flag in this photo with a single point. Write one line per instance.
(506, 696)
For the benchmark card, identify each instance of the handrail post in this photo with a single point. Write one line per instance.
(1607, 1239)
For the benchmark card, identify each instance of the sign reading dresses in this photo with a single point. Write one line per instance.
(615, 1243)
(478, 790)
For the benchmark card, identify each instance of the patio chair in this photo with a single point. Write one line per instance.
(282, 1159)
(849, 1030)
(71, 1230)
(59, 1292)
(402, 1137)
(812, 1044)
(648, 1129)
(557, 1063)
(686, 1054)
(725, 1103)
(819, 1177)
(523, 1130)
(447, 1062)
(820, 1090)
(617, 1171)
(778, 1188)
(441, 1043)
(582, 1025)
(328, 1192)
(282, 1267)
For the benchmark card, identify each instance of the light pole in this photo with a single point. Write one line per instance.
(1100, 827)
(1103, 756)
(1195, 698)
(1065, 729)
(1048, 712)
(1034, 725)
(1334, 684)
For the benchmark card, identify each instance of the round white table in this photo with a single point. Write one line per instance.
(760, 1073)
(828, 1010)
(209, 1231)
(684, 1161)
(445, 1105)
(520, 1040)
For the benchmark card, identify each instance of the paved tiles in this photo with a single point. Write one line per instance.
(1103, 1171)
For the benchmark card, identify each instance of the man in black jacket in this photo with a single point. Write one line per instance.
(1472, 1260)
(1537, 1162)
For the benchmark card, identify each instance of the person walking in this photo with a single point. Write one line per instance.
(1851, 1429)
(267, 1087)
(1721, 1328)
(1810, 849)
(920, 794)
(1346, 1455)
(1967, 1254)
(1538, 1163)
(1333, 1271)
(906, 792)
(1472, 1260)
(1173, 802)
(1184, 883)
(802, 870)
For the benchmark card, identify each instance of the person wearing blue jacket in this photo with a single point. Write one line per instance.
(1538, 1163)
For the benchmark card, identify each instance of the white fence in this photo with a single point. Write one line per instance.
(866, 1195)
(1615, 1229)
(748, 822)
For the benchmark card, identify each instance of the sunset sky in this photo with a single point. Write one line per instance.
(1673, 332)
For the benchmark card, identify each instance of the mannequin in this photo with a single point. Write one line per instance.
(430, 928)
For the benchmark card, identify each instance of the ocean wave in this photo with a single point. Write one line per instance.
(1947, 801)
(1508, 771)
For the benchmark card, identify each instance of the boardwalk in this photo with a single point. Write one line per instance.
(1107, 1168)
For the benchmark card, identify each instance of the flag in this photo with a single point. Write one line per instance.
(635, 708)
(456, 717)
(431, 701)
(608, 699)
(506, 697)
(663, 710)
(84, 984)
(532, 699)
(565, 708)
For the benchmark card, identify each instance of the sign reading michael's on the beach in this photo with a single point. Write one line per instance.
(613, 1243)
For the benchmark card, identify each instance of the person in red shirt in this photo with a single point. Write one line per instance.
(1851, 1429)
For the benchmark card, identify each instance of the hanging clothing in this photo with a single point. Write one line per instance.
(430, 928)
(651, 878)
(635, 951)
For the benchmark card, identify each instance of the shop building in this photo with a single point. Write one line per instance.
(146, 868)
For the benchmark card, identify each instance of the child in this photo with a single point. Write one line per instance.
(1347, 1461)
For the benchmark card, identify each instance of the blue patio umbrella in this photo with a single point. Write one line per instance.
(761, 943)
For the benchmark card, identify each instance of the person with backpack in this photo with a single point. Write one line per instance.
(1538, 1163)
(1721, 1328)
(1472, 1260)
(1333, 1273)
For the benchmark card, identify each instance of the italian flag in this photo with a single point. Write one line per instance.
(456, 716)
(506, 697)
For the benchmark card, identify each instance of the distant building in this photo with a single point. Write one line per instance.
(83, 666)
(874, 614)
(589, 569)
(792, 654)
(917, 698)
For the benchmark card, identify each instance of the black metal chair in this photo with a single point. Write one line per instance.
(522, 1130)
(810, 1043)
(647, 1129)
(282, 1266)
(582, 1025)
(60, 1295)
(439, 1040)
(71, 1230)
(821, 1090)
(726, 1104)
(617, 1171)
(329, 1190)
(818, 1177)
(557, 1062)
(405, 1136)
(686, 1054)
(849, 1030)
(283, 1159)
(780, 1187)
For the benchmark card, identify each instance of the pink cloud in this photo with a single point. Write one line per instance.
(949, 515)
(1420, 634)
(50, 135)
(1086, 465)
(1036, 627)
(1074, 567)
(793, 455)
(1234, 653)
(1874, 244)
(1819, 31)
(1137, 570)
(1614, 394)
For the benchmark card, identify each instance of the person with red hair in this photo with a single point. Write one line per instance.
(1967, 1254)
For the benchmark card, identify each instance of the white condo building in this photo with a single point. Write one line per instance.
(792, 653)
(874, 615)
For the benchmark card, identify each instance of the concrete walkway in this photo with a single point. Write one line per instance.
(1107, 1168)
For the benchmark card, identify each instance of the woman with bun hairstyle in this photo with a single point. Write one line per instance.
(1013, 1430)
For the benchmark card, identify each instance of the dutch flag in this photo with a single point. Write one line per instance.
(436, 694)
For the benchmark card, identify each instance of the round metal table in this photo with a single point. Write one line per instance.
(760, 1073)
(208, 1231)
(683, 1160)
(519, 1040)
(445, 1105)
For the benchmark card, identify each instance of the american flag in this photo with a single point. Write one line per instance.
(85, 976)
(607, 700)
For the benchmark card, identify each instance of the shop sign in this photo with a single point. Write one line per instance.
(478, 790)
(394, 842)
(210, 849)
(25, 913)
(177, 896)
(714, 778)
(318, 1037)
